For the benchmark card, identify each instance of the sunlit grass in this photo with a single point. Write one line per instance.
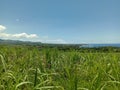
(28, 68)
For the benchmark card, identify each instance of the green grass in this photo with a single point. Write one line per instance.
(28, 68)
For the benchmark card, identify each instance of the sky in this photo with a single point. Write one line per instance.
(60, 21)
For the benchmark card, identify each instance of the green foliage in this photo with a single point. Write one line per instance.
(30, 68)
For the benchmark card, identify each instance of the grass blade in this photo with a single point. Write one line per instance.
(22, 83)
(3, 62)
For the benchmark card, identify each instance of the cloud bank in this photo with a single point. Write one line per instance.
(2, 28)
(28, 37)
(55, 41)
(18, 36)
(15, 36)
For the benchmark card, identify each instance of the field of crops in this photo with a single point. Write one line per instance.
(31, 68)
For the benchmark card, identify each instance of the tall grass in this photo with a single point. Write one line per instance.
(3, 62)
(28, 68)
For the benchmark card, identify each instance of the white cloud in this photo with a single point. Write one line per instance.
(24, 35)
(27, 37)
(18, 36)
(15, 36)
(2, 28)
(55, 41)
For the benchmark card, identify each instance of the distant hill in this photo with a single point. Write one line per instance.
(50, 45)
(17, 42)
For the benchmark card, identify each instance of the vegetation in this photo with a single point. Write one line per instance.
(33, 68)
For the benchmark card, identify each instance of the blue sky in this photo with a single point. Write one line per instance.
(61, 21)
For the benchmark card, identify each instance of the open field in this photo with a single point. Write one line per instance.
(31, 68)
